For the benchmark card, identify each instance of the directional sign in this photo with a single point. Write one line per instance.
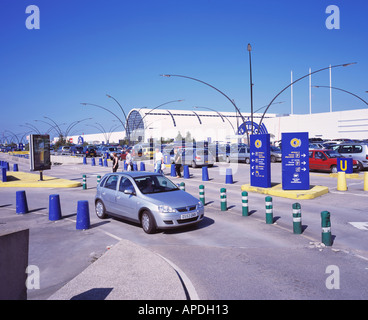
(345, 165)
(260, 164)
(295, 161)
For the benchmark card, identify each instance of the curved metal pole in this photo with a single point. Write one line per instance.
(119, 105)
(340, 65)
(60, 132)
(29, 126)
(222, 117)
(343, 91)
(96, 105)
(73, 124)
(232, 102)
(137, 127)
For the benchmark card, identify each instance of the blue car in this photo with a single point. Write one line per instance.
(146, 198)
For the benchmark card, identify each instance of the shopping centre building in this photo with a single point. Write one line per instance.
(143, 124)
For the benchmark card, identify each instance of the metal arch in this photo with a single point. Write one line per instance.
(199, 119)
(173, 119)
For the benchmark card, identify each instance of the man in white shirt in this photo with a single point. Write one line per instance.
(158, 160)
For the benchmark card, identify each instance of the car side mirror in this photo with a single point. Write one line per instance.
(129, 191)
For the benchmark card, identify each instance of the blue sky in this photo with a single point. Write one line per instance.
(86, 49)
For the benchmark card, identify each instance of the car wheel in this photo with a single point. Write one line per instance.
(247, 160)
(273, 159)
(100, 210)
(148, 222)
(360, 166)
(333, 169)
(194, 165)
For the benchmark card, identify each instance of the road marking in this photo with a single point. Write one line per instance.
(360, 225)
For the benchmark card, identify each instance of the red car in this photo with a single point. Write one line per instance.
(326, 160)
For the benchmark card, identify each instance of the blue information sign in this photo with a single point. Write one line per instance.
(295, 161)
(260, 164)
(345, 165)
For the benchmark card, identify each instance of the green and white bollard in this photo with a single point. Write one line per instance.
(84, 182)
(245, 210)
(223, 199)
(326, 228)
(297, 218)
(269, 210)
(201, 194)
(182, 186)
(98, 179)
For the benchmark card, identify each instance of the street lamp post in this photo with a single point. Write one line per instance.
(231, 101)
(353, 94)
(249, 48)
(307, 75)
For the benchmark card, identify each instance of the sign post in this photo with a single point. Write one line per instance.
(39, 152)
(295, 161)
(260, 164)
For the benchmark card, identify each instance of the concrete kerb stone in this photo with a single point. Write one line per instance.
(312, 193)
(127, 271)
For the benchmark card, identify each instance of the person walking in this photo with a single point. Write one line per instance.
(129, 161)
(158, 160)
(115, 162)
(177, 161)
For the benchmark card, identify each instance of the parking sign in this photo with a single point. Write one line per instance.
(295, 161)
(260, 164)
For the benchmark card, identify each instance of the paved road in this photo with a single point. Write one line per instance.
(226, 256)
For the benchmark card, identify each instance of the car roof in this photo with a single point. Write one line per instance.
(136, 174)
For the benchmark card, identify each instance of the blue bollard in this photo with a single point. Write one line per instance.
(15, 167)
(54, 207)
(135, 168)
(84, 160)
(93, 162)
(3, 174)
(173, 171)
(186, 172)
(142, 167)
(105, 163)
(21, 202)
(100, 162)
(83, 221)
(229, 176)
(125, 166)
(7, 166)
(205, 173)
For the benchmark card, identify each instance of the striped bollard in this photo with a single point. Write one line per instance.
(84, 182)
(326, 228)
(269, 210)
(98, 179)
(297, 218)
(245, 210)
(182, 186)
(201, 194)
(223, 199)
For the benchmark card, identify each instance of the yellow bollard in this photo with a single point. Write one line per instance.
(365, 181)
(341, 181)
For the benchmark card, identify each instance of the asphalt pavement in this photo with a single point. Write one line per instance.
(227, 256)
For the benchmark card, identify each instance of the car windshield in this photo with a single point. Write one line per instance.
(275, 149)
(332, 154)
(154, 184)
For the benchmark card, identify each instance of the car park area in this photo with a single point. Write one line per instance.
(241, 249)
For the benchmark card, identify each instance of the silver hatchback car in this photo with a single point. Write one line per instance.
(147, 198)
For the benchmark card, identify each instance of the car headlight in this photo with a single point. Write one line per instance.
(166, 209)
(200, 205)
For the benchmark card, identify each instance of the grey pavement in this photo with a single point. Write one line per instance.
(125, 272)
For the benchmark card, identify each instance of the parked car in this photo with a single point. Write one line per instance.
(196, 157)
(109, 150)
(238, 153)
(148, 198)
(90, 151)
(326, 160)
(276, 154)
(357, 151)
(76, 150)
(63, 150)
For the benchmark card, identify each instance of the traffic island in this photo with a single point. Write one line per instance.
(277, 191)
(31, 180)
